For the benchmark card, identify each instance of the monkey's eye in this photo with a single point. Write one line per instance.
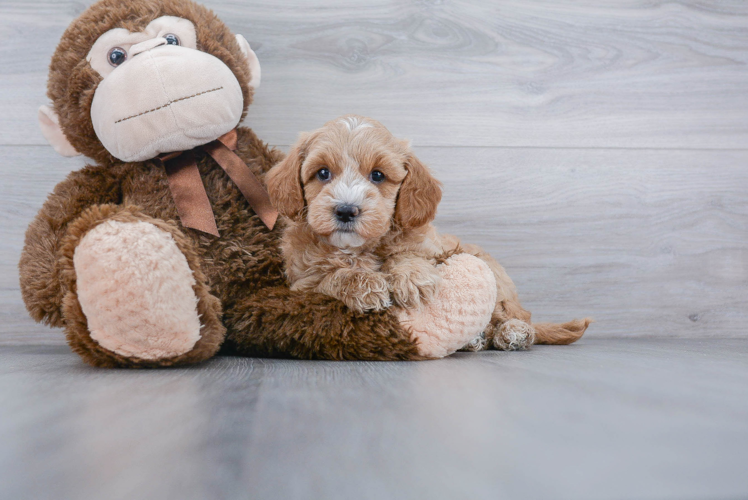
(324, 175)
(376, 177)
(116, 56)
(172, 39)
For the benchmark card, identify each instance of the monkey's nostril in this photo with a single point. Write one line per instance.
(346, 213)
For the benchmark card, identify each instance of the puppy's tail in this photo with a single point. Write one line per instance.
(560, 334)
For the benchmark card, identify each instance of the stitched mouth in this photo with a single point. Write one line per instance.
(169, 104)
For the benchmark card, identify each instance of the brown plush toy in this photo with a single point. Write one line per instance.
(165, 250)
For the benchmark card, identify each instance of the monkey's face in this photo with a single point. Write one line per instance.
(151, 86)
(159, 93)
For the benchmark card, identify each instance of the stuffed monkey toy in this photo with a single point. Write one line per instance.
(166, 249)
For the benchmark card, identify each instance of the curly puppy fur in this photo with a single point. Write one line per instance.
(239, 279)
(359, 206)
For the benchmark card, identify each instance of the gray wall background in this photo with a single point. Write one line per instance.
(598, 149)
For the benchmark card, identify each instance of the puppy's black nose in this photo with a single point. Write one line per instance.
(346, 213)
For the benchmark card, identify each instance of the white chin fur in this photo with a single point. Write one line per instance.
(345, 240)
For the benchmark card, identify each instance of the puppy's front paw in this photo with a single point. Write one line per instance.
(365, 292)
(477, 344)
(414, 282)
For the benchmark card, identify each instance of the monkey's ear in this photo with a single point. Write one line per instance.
(252, 61)
(50, 125)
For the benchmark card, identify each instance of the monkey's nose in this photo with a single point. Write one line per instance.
(141, 47)
(346, 213)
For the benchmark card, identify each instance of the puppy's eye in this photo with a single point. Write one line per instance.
(172, 39)
(376, 177)
(324, 175)
(116, 56)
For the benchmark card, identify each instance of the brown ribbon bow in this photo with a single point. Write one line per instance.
(188, 190)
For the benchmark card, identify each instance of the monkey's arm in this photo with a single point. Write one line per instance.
(279, 322)
(276, 321)
(39, 272)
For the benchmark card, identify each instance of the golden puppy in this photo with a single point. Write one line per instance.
(358, 206)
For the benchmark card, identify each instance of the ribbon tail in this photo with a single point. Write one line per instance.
(189, 194)
(245, 180)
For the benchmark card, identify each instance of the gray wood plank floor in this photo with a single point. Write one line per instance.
(598, 149)
(603, 419)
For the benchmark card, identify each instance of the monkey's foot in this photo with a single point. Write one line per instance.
(135, 288)
(459, 311)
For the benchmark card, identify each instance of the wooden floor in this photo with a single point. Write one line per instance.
(603, 419)
(598, 149)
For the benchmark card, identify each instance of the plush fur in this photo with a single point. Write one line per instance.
(243, 299)
(382, 249)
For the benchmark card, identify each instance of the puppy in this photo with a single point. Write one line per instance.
(358, 206)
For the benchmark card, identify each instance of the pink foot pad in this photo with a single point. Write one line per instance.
(135, 288)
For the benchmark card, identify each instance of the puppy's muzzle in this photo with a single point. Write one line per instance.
(346, 213)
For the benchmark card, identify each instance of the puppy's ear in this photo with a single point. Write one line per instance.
(284, 183)
(420, 194)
